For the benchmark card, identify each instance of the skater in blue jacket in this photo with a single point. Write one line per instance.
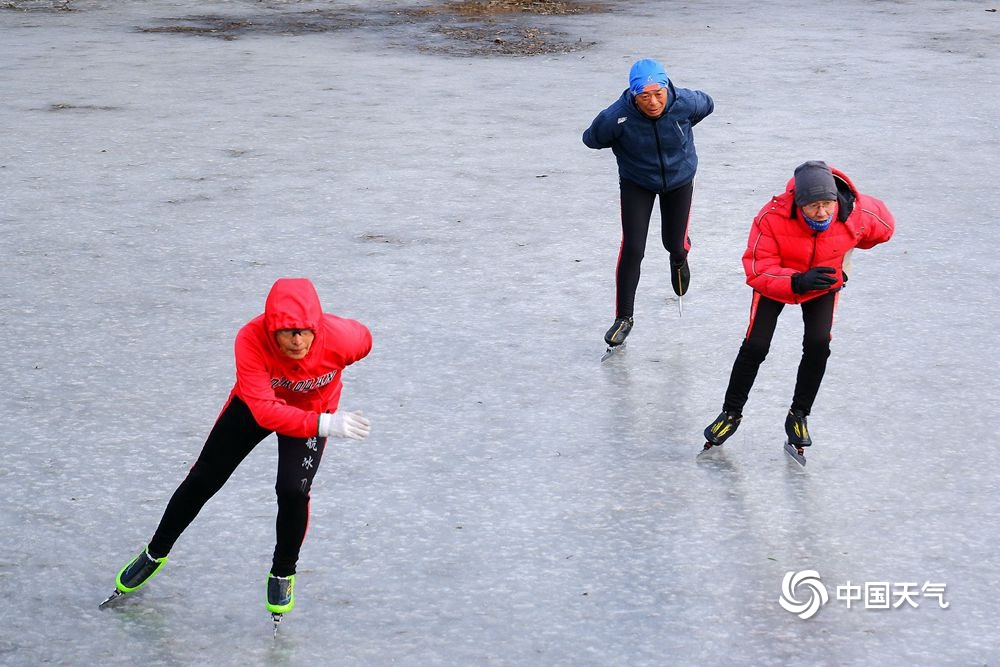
(649, 129)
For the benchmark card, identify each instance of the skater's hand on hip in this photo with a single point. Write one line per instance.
(344, 425)
(818, 277)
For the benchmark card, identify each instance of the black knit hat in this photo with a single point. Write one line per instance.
(814, 182)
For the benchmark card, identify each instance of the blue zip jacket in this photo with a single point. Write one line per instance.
(657, 155)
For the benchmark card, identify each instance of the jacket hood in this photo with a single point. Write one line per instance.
(292, 303)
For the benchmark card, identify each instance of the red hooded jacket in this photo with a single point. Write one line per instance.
(781, 243)
(284, 394)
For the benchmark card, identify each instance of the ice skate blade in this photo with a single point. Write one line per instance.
(114, 596)
(796, 453)
(708, 449)
(612, 351)
(276, 619)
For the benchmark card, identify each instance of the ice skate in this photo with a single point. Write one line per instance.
(797, 430)
(616, 335)
(680, 279)
(719, 430)
(798, 435)
(280, 597)
(797, 453)
(135, 574)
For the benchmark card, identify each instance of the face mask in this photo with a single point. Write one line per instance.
(816, 224)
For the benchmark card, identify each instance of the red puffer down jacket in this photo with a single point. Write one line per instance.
(781, 243)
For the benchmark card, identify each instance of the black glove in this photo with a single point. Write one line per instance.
(818, 277)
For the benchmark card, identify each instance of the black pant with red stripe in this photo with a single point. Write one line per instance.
(637, 209)
(233, 437)
(817, 316)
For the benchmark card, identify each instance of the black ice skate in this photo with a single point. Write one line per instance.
(619, 331)
(796, 429)
(680, 278)
(137, 572)
(616, 335)
(719, 430)
(798, 435)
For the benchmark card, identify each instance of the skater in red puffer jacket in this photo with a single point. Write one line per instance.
(795, 255)
(289, 360)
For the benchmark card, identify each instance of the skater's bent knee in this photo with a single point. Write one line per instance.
(816, 348)
(297, 493)
(754, 350)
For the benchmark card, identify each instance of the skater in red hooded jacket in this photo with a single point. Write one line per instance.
(288, 366)
(795, 255)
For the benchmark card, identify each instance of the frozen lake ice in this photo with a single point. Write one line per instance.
(518, 503)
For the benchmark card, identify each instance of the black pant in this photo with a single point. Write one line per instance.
(234, 435)
(637, 208)
(817, 316)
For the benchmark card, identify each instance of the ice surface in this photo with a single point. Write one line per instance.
(518, 503)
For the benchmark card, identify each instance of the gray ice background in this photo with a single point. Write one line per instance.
(518, 503)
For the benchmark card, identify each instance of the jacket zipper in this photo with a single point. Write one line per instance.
(659, 155)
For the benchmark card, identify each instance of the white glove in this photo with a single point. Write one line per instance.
(344, 425)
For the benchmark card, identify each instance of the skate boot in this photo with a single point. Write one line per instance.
(138, 571)
(719, 430)
(619, 331)
(796, 429)
(280, 594)
(680, 278)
